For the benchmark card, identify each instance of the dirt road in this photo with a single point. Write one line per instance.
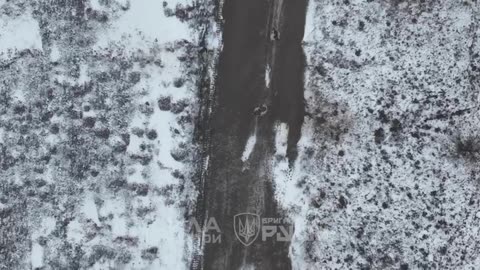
(234, 185)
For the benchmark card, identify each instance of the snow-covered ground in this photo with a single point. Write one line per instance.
(97, 111)
(143, 29)
(11, 42)
(387, 171)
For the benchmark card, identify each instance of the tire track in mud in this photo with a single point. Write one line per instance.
(233, 186)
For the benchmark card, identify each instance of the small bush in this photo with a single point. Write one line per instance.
(468, 147)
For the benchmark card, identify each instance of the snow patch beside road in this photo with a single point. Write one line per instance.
(267, 76)
(249, 147)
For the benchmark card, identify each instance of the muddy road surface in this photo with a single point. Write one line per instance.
(259, 83)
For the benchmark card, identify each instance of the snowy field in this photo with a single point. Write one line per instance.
(387, 174)
(96, 129)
